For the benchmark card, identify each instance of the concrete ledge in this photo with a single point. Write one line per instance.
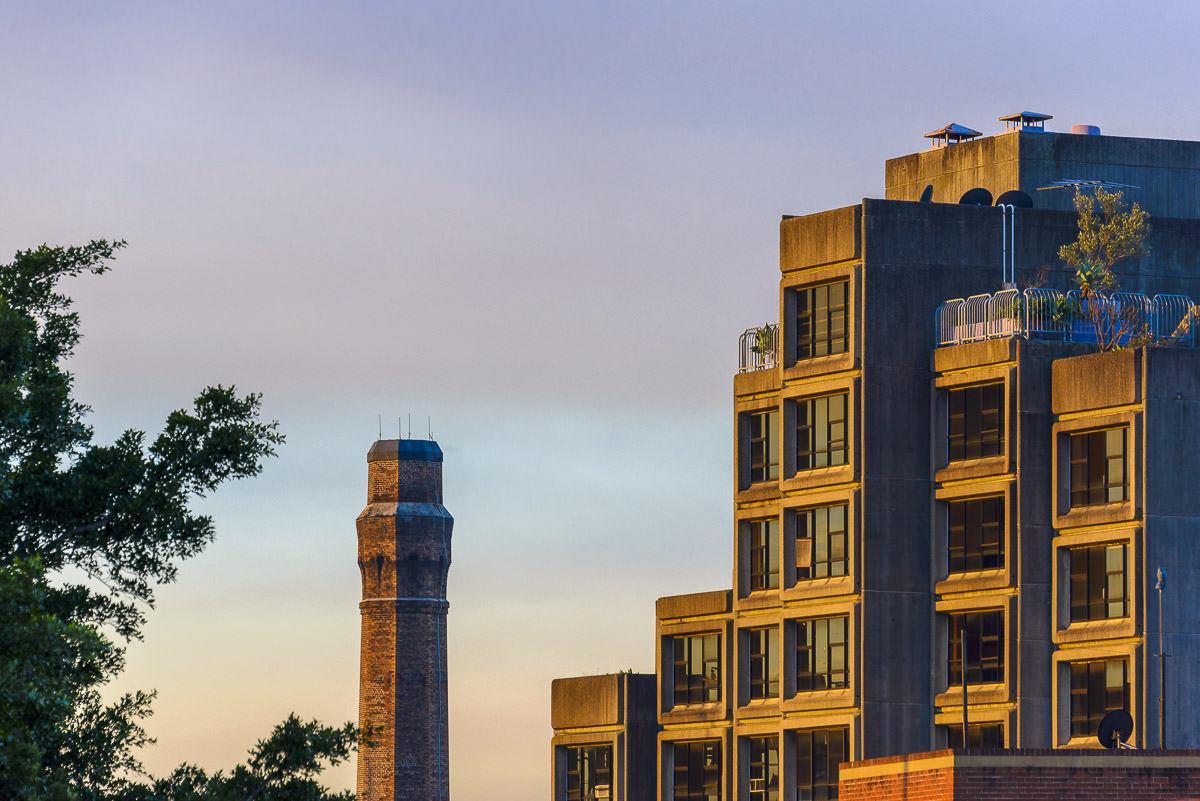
(694, 604)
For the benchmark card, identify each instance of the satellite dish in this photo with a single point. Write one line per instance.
(976, 197)
(1115, 729)
(1015, 197)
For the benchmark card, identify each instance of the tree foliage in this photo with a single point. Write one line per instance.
(1110, 231)
(118, 512)
(120, 515)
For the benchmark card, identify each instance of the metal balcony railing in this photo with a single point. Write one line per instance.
(758, 348)
(1051, 315)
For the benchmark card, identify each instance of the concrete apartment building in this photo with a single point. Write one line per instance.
(936, 474)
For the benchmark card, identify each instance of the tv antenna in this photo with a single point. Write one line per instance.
(1084, 183)
(1115, 729)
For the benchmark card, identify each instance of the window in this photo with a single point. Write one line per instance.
(821, 654)
(764, 555)
(697, 669)
(979, 735)
(821, 542)
(976, 422)
(764, 768)
(763, 649)
(821, 432)
(818, 754)
(1097, 688)
(976, 534)
(1098, 472)
(985, 647)
(589, 772)
(821, 320)
(698, 771)
(764, 446)
(1098, 582)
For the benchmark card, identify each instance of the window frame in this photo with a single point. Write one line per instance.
(985, 638)
(763, 554)
(815, 523)
(762, 662)
(815, 642)
(1082, 720)
(969, 434)
(762, 757)
(575, 771)
(988, 536)
(763, 465)
(1089, 569)
(822, 437)
(806, 764)
(704, 755)
(1089, 464)
(821, 320)
(687, 687)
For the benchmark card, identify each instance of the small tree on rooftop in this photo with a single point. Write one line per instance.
(1110, 231)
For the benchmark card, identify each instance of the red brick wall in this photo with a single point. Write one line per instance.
(403, 557)
(1025, 775)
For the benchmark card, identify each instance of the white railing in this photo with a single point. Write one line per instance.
(758, 348)
(1048, 314)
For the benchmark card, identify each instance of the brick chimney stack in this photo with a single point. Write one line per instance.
(404, 560)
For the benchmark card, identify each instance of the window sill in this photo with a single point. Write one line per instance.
(820, 699)
(972, 468)
(991, 693)
(1087, 630)
(1101, 514)
(819, 476)
(974, 581)
(819, 365)
(819, 588)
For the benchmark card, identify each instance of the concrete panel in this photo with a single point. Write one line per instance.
(1096, 381)
(586, 701)
(697, 603)
(817, 239)
(974, 354)
(1172, 432)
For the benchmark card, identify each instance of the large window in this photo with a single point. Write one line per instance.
(821, 320)
(589, 772)
(821, 431)
(821, 542)
(979, 735)
(764, 554)
(984, 633)
(976, 534)
(1097, 688)
(697, 669)
(698, 771)
(976, 422)
(818, 754)
(1098, 473)
(821, 654)
(764, 768)
(1098, 582)
(762, 646)
(764, 446)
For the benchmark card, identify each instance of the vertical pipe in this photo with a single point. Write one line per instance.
(1162, 667)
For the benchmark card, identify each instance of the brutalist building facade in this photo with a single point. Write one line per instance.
(939, 483)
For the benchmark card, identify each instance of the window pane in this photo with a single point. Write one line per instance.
(1098, 467)
(975, 422)
(821, 313)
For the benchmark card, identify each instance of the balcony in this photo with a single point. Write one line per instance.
(1123, 318)
(758, 348)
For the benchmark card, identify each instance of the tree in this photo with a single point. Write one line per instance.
(283, 767)
(121, 514)
(1110, 232)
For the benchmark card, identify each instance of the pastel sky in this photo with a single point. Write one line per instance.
(539, 225)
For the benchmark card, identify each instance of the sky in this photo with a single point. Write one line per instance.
(537, 228)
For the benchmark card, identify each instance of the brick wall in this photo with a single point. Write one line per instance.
(404, 558)
(1024, 775)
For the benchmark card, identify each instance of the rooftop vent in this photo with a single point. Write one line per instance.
(1086, 130)
(1026, 121)
(952, 134)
